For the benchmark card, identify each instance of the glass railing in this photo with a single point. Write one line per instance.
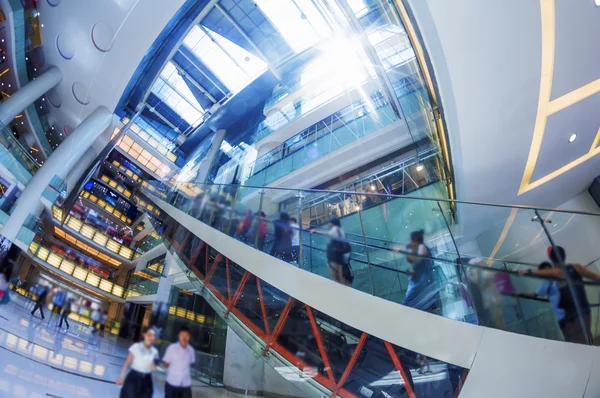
(45, 254)
(55, 189)
(329, 135)
(149, 242)
(142, 283)
(99, 237)
(316, 345)
(492, 280)
(14, 148)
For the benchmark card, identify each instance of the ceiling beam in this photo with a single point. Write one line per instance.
(198, 18)
(195, 83)
(262, 55)
(219, 86)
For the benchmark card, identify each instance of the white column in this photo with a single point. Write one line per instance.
(74, 175)
(60, 162)
(26, 96)
(208, 160)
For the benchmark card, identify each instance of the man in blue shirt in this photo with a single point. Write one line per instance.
(549, 290)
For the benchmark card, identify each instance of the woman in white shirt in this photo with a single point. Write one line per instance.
(142, 357)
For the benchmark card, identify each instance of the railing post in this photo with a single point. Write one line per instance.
(260, 205)
(362, 226)
(300, 196)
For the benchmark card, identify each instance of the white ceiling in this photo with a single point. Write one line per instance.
(487, 60)
(98, 45)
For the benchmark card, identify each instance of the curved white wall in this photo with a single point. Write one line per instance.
(98, 44)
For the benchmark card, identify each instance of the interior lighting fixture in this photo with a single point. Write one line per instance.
(373, 187)
(597, 4)
(420, 167)
(574, 136)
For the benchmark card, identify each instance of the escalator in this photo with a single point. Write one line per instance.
(332, 340)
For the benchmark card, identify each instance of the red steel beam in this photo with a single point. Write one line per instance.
(350, 366)
(238, 293)
(317, 334)
(284, 315)
(262, 306)
(400, 369)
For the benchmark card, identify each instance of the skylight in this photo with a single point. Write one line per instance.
(358, 7)
(299, 21)
(231, 64)
(172, 90)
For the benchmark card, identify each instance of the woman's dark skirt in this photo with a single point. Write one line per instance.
(137, 385)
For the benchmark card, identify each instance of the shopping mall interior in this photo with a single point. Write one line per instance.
(329, 198)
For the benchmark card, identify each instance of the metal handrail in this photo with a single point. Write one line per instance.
(12, 140)
(393, 196)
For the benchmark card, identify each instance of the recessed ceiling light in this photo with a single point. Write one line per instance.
(574, 136)
(598, 3)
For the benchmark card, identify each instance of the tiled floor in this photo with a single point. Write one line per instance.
(38, 360)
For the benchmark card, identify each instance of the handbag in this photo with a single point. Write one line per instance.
(347, 272)
(341, 245)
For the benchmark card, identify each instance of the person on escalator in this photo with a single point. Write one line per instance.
(570, 324)
(338, 254)
(282, 245)
(421, 292)
(244, 226)
(258, 227)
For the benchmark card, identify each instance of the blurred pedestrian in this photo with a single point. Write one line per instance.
(177, 359)
(41, 300)
(142, 358)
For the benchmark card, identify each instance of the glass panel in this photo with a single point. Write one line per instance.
(298, 339)
(249, 304)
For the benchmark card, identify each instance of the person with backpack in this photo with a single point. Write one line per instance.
(282, 245)
(570, 324)
(338, 254)
(258, 227)
(421, 292)
(244, 226)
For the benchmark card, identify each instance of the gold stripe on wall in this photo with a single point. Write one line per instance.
(420, 55)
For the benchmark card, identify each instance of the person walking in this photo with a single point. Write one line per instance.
(177, 359)
(103, 319)
(41, 300)
(65, 314)
(282, 245)
(142, 358)
(95, 317)
(338, 254)
(421, 292)
(5, 276)
(257, 227)
(295, 240)
(58, 300)
(570, 324)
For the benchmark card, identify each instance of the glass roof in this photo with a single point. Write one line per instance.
(173, 90)
(299, 21)
(231, 64)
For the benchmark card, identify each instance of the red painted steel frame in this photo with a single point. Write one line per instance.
(400, 369)
(357, 350)
(262, 306)
(284, 316)
(271, 338)
(317, 334)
